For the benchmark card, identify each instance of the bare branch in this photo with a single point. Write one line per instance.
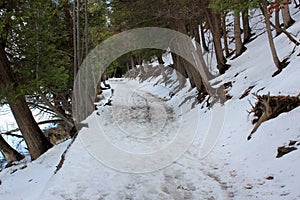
(10, 133)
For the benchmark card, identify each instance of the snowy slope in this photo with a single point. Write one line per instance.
(234, 169)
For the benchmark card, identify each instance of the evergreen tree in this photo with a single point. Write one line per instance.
(32, 61)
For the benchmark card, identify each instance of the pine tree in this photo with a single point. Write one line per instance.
(32, 61)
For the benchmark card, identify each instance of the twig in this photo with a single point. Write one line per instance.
(10, 133)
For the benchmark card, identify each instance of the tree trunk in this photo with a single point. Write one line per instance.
(270, 36)
(196, 34)
(246, 26)
(86, 28)
(36, 142)
(177, 65)
(127, 66)
(193, 75)
(203, 43)
(75, 57)
(239, 47)
(78, 32)
(213, 20)
(277, 21)
(227, 53)
(286, 16)
(162, 68)
(9, 153)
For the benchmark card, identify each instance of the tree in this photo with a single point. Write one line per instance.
(213, 19)
(277, 62)
(225, 38)
(239, 46)
(177, 15)
(237, 7)
(286, 16)
(33, 63)
(246, 26)
(35, 140)
(203, 43)
(277, 21)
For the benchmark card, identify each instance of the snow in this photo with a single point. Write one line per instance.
(146, 146)
(8, 122)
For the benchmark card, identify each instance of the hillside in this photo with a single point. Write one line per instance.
(173, 154)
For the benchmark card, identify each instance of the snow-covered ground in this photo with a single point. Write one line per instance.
(8, 123)
(150, 131)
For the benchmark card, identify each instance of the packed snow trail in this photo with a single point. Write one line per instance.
(146, 116)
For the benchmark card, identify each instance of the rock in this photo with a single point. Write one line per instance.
(270, 178)
(248, 186)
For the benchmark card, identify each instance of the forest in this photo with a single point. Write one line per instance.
(43, 44)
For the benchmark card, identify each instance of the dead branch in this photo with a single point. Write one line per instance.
(268, 107)
(52, 107)
(11, 132)
(288, 35)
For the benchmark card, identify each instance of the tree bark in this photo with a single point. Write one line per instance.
(225, 38)
(203, 43)
(213, 20)
(9, 153)
(77, 9)
(277, 21)
(177, 65)
(86, 28)
(75, 57)
(246, 26)
(196, 34)
(286, 16)
(276, 60)
(193, 75)
(239, 47)
(36, 141)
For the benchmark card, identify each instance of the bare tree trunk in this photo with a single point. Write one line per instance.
(225, 38)
(214, 23)
(74, 40)
(86, 26)
(286, 16)
(127, 66)
(276, 60)
(177, 65)
(162, 68)
(36, 141)
(239, 47)
(78, 32)
(277, 22)
(68, 10)
(196, 34)
(246, 26)
(9, 153)
(133, 64)
(204, 45)
(193, 75)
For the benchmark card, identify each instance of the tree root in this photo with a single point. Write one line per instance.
(268, 107)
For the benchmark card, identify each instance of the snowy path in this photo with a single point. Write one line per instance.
(140, 125)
